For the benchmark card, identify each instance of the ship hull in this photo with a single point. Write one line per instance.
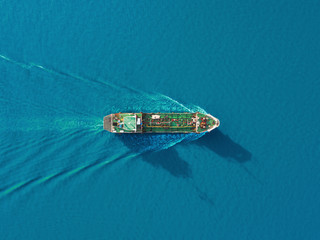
(160, 122)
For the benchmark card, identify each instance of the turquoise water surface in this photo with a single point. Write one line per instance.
(66, 64)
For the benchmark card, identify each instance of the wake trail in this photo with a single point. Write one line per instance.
(29, 66)
(8, 165)
(69, 128)
(63, 175)
(99, 163)
(48, 139)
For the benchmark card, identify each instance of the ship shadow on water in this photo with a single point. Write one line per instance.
(224, 146)
(170, 161)
(219, 143)
(151, 148)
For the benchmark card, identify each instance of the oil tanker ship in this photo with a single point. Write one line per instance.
(160, 122)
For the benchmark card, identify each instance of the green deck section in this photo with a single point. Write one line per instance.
(160, 122)
(129, 123)
(169, 122)
(125, 122)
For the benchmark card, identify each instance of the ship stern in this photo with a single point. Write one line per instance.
(107, 123)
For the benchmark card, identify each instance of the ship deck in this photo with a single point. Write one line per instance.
(159, 122)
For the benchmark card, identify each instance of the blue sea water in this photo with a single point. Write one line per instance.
(66, 64)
